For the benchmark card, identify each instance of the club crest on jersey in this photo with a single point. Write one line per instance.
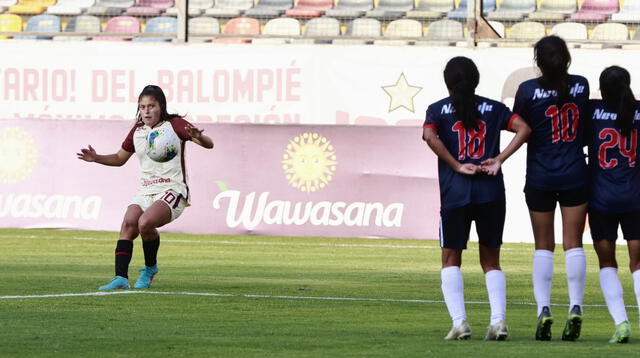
(482, 107)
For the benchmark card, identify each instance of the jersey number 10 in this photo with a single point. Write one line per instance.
(626, 144)
(470, 141)
(564, 123)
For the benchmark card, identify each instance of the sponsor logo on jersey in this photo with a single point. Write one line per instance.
(482, 108)
(601, 114)
(574, 91)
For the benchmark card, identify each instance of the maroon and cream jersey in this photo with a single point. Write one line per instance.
(156, 177)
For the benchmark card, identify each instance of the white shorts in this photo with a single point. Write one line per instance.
(174, 201)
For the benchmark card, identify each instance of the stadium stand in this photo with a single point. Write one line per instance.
(526, 31)
(398, 29)
(40, 23)
(445, 29)
(203, 29)
(269, 8)
(512, 10)
(149, 8)
(320, 30)
(350, 9)
(431, 9)
(610, 31)
(554, 10)
(570, 31)
(239, 26)
(30, 7)
(309, 8)
(196, 8)
(159, 25)
(229, 8)
(70, 7)
(109, 7)
(460, 12)
(80, 24)
(10, 23)
(120, 24)
(390, 9)
(629, 12)
(595, 10)
(498, 27)
(361, 27)
(282, 26)
(5, 4)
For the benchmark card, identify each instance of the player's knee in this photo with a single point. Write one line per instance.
(146, 224)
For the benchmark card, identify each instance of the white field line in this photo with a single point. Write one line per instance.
(260, 243)
(352, 299)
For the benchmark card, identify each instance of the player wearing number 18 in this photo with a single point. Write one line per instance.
(463, 130)
(554, 105)
(613, 125)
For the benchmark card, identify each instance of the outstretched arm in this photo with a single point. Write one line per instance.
(431, 137)
(198, 138)
(114, 160)
(491, 166)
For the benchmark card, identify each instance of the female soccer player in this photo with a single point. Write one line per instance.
(552, 105)
(463, 130)
(615, 191)
(163, 192)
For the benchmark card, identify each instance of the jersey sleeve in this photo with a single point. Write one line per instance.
(505, 116)
(127, 144)
(431, 120)
(520, 103)
(180, 127)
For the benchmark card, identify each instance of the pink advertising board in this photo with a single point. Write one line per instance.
(291, 180)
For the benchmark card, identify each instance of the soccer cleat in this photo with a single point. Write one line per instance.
(116, 283)
(497, 332)
(146, 278)
(571, 330)
(459, 332)
(622, 334)
(543, 330)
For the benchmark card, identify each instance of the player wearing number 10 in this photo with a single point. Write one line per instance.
(554, 105)
(613, 125)
(463, 130)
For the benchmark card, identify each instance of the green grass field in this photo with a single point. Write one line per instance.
(253, 296)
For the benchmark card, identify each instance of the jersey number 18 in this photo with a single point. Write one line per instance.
(470, 141)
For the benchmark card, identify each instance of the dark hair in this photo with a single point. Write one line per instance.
(157, 93)
(461, 77)
(553, 58)
(616, 92)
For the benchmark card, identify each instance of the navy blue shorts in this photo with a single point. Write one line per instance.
(604, 226)
(545, 200)
(455, 224)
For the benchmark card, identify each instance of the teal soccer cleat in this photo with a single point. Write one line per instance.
(622, 334)
(571, 330)
(146, 278)
(116, 283)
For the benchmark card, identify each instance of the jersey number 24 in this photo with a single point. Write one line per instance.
(627, 146)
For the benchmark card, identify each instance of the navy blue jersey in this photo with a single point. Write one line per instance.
(613, 161)
(469, 146)
(555, 156)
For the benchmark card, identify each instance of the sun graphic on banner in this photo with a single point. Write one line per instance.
(309, 162)
(17, 155)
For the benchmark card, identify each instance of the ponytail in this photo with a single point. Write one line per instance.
(462, 77)
(616, 92)
(553, 58)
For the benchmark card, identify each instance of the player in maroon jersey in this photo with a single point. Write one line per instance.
(163, 192)
(463, 130)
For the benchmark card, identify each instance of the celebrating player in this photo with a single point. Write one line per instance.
(463, 130)
(615, 190)
(556, 172)
(163, 192)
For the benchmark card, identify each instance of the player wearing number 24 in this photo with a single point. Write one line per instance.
(163, 193)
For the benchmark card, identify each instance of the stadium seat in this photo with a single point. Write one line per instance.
(203, 29)
(431, 9)
(10, 23)
(461, 11)
(570, 31)
(159, 25)
(610, 31)
(595, 10)
(229, 8)
(196, 8)
(31, 7)
(239, 26)
(70, 7)
(81, 24)
(445, 29)
(350, 9)
(120, 24)
(149, 7)
(309, 8)
(390, 9)
(320, 27)
(554, 10)
(629, 12)
(512, 10)
(527, 31)
(362, 27)
(109, 7)
(282, 26)
(40, 23)
(400, 28)
(269, 8)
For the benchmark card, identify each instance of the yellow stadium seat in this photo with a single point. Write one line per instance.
(10, 23)
(31, 7)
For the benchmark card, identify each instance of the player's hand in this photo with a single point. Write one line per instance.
(194, 132)
(87, 154)
(491, 166)
(468, 169)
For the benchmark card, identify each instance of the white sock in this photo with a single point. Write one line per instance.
(542, 276)
(576, 265)
(453, 292)
(497, 291)
(612, 292)
(636, 285)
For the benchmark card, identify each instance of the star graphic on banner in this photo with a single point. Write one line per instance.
(401, 94)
